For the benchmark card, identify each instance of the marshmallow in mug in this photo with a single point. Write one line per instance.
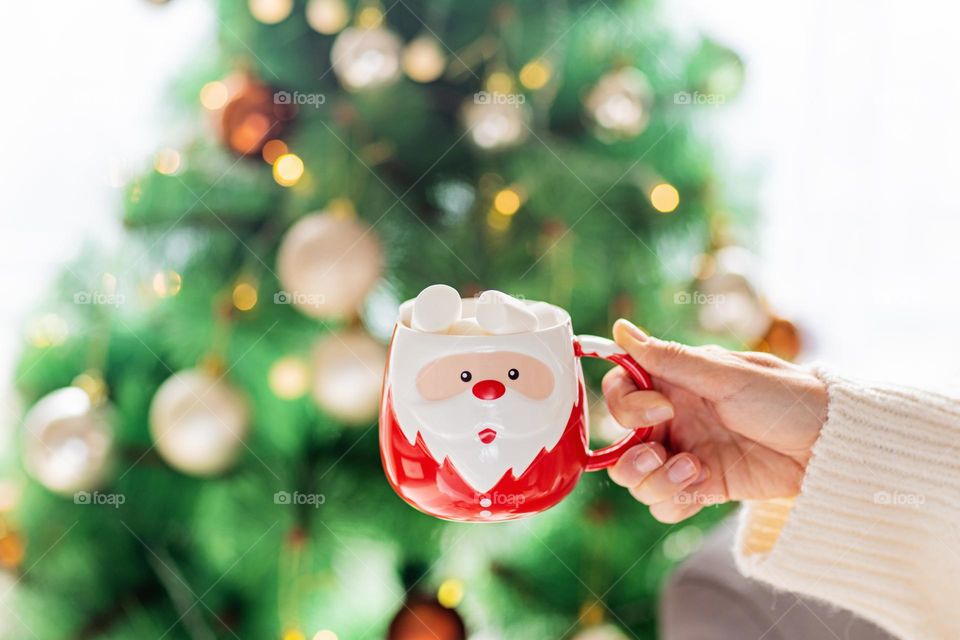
(502, 314)
(436, 309)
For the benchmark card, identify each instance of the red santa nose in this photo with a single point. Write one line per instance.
(488, 389)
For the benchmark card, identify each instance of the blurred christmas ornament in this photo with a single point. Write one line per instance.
(198, 422)
(366, 58)
(782, 340)
(11, 547)
(348, 371)
(601, 632)
(327, 16)
(423, 618)
(424, 59)
(67, 441)
(254, 114)
(619, 104)
(327, 264)
(727, 299)
(270, 11)
(289, 378)
(493, 121)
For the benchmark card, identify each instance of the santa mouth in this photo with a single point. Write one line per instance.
(487, 436)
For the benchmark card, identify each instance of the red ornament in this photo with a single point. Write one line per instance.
(254, 114)
(423, 618)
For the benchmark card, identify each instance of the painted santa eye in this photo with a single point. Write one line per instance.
(465, 376)
(513, 374)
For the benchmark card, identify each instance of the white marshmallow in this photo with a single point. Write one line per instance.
(435, 309)
(467, 327)
(502, 314)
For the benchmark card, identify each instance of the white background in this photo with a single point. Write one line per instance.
(851, 110)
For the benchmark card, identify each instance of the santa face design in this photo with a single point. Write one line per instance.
(483, 428)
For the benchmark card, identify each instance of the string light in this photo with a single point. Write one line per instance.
(244, 296)
(50, 330)
(664, 197)
(370, 17)
(288, 169)
(327, 16)
(450, 593)
(167, 283)
(423, 59)
(289, 378)
(167, 162)
(497, 221)
(294, 634)
(535, 74)
(270, 11)
(507, 202)
(499, 82)
(273, 149)
(325, 634)
(214, 95)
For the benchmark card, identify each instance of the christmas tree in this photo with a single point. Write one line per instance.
(199, 453)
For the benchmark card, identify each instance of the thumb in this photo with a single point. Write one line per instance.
(693, 368)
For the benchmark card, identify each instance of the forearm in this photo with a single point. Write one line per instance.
(876, 527)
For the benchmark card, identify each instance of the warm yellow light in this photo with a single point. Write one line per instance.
(50, 330)
(342, 208)
(214, 95)
(244, 296)
(499, 82)
(326, 634)
(370, 17)
(535, 74)
(270, 11)
(450, 593)
(288, 169)
(167, 162)
(273, 149)
(327, 16)
(423, 59)
(497, 221)
(664, 197)
(167, 283)
(294, 634)
(507, 202)
(289, 378)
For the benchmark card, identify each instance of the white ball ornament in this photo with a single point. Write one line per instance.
(494, 122)
(327, 265)
(67, 441)
(198, 422)
(436, 308)
(348, 372)
(364, 58)
(619, 104)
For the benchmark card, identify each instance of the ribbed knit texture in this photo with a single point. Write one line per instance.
(876, 527)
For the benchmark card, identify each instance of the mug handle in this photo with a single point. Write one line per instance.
(597, 347)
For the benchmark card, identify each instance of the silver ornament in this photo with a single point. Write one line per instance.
(619, 104)
(348, 373)
(366, 58)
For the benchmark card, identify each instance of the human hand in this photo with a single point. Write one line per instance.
(729, 425)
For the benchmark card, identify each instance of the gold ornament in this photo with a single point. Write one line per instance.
(601, 632)
(270, 11)
(67, 441)
(619, 104)
(253, 115)
(348, 371)
(424, 59)
(422, 617)
(366, 58)
(327, 264)
(327, 16)
(495, 120)
(782, 339)
(198, 422)
(727, 300)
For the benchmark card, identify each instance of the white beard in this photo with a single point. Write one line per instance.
(524, 427)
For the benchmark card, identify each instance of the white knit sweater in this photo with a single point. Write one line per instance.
(876, 527)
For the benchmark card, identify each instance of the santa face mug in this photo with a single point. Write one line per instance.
(477, 427)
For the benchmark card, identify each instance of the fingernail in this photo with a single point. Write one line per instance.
(647, 461)
(658, 413)
(681, 470)
(633, 330)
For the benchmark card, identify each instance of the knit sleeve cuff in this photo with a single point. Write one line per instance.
(859, 533)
